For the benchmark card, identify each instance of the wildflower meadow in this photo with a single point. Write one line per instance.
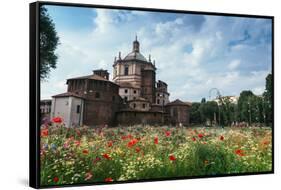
(87, 155)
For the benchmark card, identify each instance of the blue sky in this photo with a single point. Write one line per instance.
(193, 53)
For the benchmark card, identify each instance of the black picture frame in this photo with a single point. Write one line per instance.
(34, 90)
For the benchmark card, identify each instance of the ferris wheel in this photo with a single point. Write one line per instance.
(216, 94)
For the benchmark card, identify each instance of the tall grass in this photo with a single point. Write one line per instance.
(85, 155)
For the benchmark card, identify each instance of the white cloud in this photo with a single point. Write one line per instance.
(190, 73)
(104, 21)
(61, 85)
(229, 83)
(234, 64)
(259, 90)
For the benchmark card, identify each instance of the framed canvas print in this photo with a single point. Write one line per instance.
(125, 94)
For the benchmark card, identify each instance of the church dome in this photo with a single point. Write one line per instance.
(135, 54)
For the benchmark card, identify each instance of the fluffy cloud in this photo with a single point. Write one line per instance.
(234, 64)
(193, 53)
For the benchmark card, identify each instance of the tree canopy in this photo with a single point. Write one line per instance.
(268, 99)
(48, 44)
(250, 108)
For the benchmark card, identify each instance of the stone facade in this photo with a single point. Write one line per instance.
(162, 95)
(178, 112)
(101, 96)
(133, 97)
(133, 117)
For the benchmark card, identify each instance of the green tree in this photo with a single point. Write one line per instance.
(203, 100)
(255, 109)
(195, 116)
(268, 99)
(268, 88)
(209, 111)
(227, 111)
(243, 105)
(251, 107)
(48, 44)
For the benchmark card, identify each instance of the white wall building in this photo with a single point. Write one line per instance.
(69, 107)
(231, 99)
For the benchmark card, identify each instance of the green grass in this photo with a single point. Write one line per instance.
(77, 155)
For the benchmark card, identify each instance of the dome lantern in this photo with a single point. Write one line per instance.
(136, 45)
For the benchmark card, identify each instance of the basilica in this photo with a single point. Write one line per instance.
(133, 96)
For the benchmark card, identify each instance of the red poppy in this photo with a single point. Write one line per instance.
(265, 142)
(109, 179)
(129, 136)
(239, 152)
(124, 137)
(77, 143)
(155, 140)
(56, 179)
(138, 149)
(106, 156)
(57, 120)
(172, 157)
(85, 151)
(221, 138)
(44, 132)
(132, 143)
(109, 144)
(193, 139)
(200, 135)
(168, 133)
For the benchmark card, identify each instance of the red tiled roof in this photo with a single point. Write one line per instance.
(177, 102)
(95, 77)
(92, 77)
(67, 94)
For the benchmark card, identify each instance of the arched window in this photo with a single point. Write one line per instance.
(126, 71)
